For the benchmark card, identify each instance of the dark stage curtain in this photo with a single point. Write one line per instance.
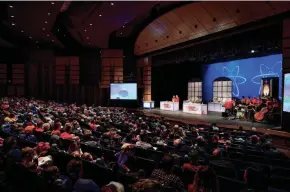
(172, 79)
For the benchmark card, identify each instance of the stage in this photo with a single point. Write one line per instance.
(211, 117)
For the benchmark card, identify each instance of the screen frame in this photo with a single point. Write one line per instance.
(284, 75)
(124, 99)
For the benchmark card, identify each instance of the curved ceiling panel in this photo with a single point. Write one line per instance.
(199, 19)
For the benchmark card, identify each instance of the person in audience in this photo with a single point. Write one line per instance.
(123, 156)
(75, 171)
(74, 147)
(29, 128)
(10, 118)
(142, 143)
(67, 133)
(57, 129)
(193, 157)
(56, 181)
(205, 180)
(147, 185)
(27, 155)
(39, 126)
(165, 176)
(42, 149)
(113, 187)
(87, 156)
(254, 180)
(11, 150)
(9, 144)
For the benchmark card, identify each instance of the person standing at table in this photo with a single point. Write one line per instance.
(173, 98)
(176, 98)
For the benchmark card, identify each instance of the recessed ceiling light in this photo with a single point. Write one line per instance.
(52, 3)
(10, 6)
(13, 24)
(87, 37)
(47, 35)
(43, 29)
(121, 33)
(91, 24)
(48, 14)
(112, 3)
(85, 30)
(45, 22)
(52, 40)
(100, 15)
(12, 16)
(123, 26)
(30, 37)
(22, 31)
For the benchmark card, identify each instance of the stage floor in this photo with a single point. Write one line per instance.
(211, 117)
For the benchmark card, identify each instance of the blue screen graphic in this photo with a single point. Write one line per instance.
(246, 75)
(125, 91)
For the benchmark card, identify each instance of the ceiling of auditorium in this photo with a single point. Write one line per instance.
(199, 19)
(89, 23)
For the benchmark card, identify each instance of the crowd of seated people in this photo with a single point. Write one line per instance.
(48, 146)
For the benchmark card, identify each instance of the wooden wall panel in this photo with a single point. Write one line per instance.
(74, 70)
(112, 67)
(18, 74)
(3, 73)
(144, 76)
(60, 67)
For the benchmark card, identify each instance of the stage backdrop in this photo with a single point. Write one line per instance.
(246, 75)
(172, 79)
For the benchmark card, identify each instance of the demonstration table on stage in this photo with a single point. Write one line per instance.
(169, 106)
(148, 104)
(216, 107)
(195, 108)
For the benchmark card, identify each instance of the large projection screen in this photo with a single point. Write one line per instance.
(123, 91)
(286, 98)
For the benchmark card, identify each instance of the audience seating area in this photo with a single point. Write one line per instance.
(130, 148)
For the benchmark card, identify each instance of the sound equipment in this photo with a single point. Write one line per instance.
(270, 87)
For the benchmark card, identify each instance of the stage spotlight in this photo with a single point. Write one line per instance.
(253, 51)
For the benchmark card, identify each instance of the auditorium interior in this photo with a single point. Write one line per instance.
(145, 96)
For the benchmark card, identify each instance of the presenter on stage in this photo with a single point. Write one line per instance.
(173, 98)
(176, 98)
